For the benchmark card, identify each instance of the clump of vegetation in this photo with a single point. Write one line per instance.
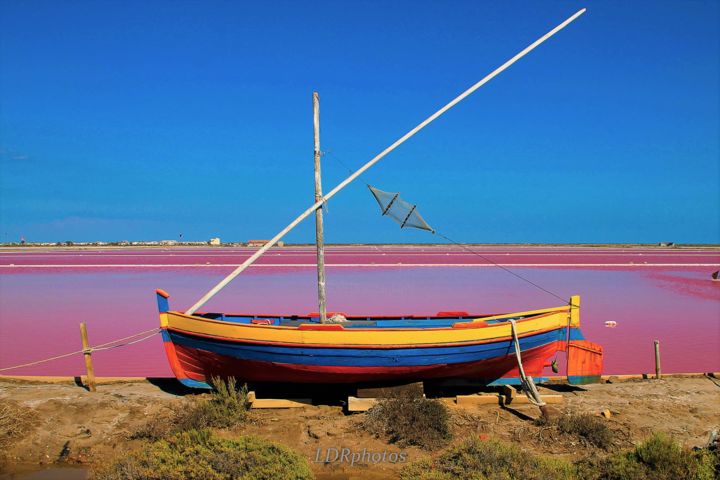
(657, 458)
(198, 454)
(15, 421)
(588, 428)
(156, 427)
(475, 459)
(226, 407)
(408, 420)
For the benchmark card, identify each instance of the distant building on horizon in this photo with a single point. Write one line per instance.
(260, 243)
(214, 241)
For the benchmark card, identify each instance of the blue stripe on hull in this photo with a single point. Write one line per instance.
(188, 382)
(364, 357)
(513, 381)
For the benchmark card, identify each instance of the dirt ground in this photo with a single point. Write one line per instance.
(63, 424)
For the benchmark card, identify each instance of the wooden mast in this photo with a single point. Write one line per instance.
(241, 268)
(319, 238)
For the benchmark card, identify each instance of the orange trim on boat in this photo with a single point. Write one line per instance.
(475, 324)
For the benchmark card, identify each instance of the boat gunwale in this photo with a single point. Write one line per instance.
(361, 346)
(529, 315)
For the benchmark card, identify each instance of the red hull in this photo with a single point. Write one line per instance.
(200, 365)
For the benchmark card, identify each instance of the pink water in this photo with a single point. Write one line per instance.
(652, 294)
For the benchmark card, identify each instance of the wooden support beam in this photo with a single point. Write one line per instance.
(478, 399)
(262, 403)
(523, 400)
(87, 353)
(360, 404)
(509, 393)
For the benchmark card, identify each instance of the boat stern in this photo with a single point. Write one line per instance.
(584, 358)
(163, 307)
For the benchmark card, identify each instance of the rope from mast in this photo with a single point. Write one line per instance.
(229, 278)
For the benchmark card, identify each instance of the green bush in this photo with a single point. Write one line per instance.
(408, 420)
(226, 407)
(658, 458)
(475, 459)
(588, 427)
(196, 454)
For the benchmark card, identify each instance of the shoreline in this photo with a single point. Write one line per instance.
(114, 245)
(72, 427)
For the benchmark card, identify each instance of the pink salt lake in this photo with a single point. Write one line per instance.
(652, 293)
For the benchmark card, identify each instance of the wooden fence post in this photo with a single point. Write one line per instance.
(657, 359)
(87, 353)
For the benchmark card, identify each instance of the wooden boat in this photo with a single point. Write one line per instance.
(507, 348)
(271, 348)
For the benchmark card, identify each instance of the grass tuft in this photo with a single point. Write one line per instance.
(15, 421)
(588, 428)
(407, 420)
(226, 407)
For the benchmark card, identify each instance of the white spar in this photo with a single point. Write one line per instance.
(372, 162)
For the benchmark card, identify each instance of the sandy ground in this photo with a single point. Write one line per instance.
(67, 425)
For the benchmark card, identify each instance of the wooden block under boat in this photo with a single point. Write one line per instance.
(478, 399)
(356, 404)
(523, 400)
(278, 402)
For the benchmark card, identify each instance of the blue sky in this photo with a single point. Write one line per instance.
(144, 120)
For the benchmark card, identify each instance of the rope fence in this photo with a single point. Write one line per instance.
(103, 346)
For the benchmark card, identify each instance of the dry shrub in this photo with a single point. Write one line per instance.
(226, 407)
(198, 454)
(15, 421)
(408, 420)
(475, 459)
(159, 426)
(588, 428)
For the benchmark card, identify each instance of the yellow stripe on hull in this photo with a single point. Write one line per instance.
(540, 320)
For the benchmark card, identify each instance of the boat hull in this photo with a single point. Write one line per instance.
(299, 350)
(199, 364)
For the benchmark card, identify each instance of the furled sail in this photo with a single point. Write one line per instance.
(404, 213)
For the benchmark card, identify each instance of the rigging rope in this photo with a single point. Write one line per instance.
(517, 275)
(103, 346)
(406, 215)
(385, 207)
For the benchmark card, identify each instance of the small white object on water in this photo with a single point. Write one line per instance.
(611, 323)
